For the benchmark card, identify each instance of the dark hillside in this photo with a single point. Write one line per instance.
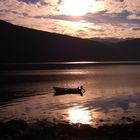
(20, 44)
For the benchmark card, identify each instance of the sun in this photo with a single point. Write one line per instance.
(75, 7)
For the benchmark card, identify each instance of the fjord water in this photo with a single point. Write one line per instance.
(112, 92)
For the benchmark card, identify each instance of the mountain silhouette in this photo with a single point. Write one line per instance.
(20, 44)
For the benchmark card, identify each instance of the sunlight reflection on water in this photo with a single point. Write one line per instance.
(79, 115)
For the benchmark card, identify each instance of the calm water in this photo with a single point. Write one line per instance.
(112, 93)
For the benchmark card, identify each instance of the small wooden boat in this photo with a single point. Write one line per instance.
(62, 91)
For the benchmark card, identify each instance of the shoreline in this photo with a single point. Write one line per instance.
(7, 66)
(21, 130)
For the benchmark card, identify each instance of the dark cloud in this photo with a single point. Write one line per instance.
(136, 29)
(60, 1)
(96, 30)
(14, 12)
(120, 0)
(104, 17)
(60, 17)
(29, 1)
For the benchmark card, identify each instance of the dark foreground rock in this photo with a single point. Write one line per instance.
(12, 129)
(42, 130)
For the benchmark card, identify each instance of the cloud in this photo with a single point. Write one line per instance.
(104, 18)
(117, 6)
(29, 1)
(133, 17)
(136, 29)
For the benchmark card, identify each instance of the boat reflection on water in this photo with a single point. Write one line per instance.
(79, 115)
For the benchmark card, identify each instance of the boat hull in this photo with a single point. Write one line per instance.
(62, 91)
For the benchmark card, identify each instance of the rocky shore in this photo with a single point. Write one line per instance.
(43, 130)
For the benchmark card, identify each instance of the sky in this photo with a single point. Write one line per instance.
(79, 18)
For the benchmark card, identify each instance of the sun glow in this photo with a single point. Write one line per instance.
(79, 115)
(76, 7)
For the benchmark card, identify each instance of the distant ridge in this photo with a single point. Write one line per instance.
(20, 44)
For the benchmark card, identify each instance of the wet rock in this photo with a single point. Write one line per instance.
(15, 126)
(5, 137)
(1, 127)
(20, 130)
